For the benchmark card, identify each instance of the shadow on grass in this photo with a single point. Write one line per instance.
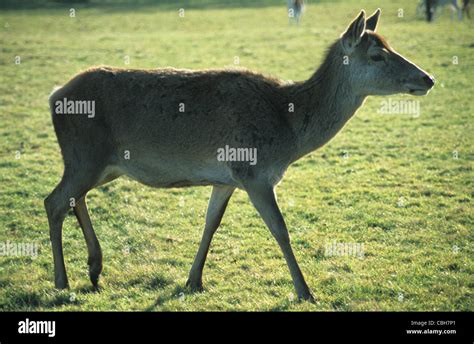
(281, 307)
(179, 292)
(147, 282)
(23, 300)
(286, 304)
(26, 300)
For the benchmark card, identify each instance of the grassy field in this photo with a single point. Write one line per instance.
(400, 184)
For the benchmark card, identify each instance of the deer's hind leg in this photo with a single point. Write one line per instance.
(67, 194)
(93, 247)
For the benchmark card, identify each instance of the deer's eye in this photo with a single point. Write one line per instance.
(377, 58)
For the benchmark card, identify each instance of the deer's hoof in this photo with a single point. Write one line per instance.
(61, 284)
(194, 286)
(94, 273)
(307, 296)
(94, 280)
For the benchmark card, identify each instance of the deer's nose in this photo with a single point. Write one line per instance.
(429, 80)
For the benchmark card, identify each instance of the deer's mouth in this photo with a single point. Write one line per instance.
(421, 87)
(418, 91)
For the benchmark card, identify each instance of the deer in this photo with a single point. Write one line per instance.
(295, 10)
(139, 130)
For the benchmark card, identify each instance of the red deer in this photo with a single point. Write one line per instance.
(163, 128)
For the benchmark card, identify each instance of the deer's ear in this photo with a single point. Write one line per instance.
(353, 35)
(372, 21)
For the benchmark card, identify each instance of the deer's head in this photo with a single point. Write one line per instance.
(375, 68)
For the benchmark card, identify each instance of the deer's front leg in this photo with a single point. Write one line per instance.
(264, 200)
(218, 202)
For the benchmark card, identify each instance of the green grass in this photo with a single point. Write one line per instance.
(418, 255)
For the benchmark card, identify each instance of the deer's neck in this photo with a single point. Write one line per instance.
(323, 103)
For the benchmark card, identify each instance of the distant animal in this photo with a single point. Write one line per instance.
(165, 128)
(437, 7)
(466, 5)
(295, 10)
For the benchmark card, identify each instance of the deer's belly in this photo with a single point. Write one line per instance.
(166, 175)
